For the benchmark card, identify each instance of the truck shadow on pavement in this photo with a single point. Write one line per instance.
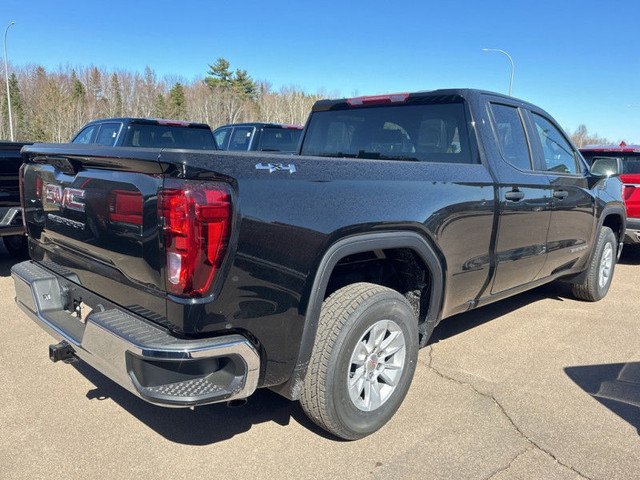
(204, 425)
(630, 255)
(463, 322)
(7, 261)
(559, 291)
(614, 385)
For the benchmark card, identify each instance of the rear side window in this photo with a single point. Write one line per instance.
(559, 157)
(423, 132)
(86, 135)
(241, 138)
(279, 139)
(107, 134)
(511, 137)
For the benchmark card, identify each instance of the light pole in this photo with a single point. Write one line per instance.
(510, 59)
(6, 77)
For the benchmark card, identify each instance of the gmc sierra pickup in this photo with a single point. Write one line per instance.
(194, 277)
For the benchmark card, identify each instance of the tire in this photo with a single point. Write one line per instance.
(17, 246)
(597, 279)
(351, 390)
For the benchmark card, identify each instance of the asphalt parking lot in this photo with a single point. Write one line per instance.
(537, 386)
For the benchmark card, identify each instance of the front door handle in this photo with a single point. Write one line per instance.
(514, 195)
(560, 194)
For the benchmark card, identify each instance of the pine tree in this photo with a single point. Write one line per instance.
(239, 81)
(78, 93)
(160, 107)
(219, 74)
(116, 92)
(244, 84)
(177, 101)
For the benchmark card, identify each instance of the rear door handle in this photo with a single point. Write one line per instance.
(560, 194)
(514, 195)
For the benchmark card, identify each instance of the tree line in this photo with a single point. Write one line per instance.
(50, 106)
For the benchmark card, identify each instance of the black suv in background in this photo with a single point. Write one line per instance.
(264, 137)
(146, 132)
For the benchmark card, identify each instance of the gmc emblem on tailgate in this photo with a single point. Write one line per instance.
(64, 197)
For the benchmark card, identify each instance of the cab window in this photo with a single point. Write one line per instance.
(559, 157)
(221, 137)
(86, 135)
(511, 137)
(108, 134)
(241, 138)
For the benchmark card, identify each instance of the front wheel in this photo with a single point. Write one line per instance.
(363, 360)
(597, 279)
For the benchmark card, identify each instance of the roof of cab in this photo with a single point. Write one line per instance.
(406, 98)
(152, 121)
(262, 124)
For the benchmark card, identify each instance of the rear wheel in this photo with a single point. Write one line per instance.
(363, 360)
(599, 274)
(17, 246)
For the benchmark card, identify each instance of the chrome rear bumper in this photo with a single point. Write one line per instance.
(145, 359)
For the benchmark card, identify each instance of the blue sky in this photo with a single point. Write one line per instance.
(578, 60)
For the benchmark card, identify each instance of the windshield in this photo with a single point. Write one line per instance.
(630, 163)
(424, 132)
(168, 136)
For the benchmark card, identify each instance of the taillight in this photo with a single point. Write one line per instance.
(378, 99)
(20, 180)
(125, 206)
(38, 187)
(627, 191)
(197, 224)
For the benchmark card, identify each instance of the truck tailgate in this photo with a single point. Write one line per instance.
(94, 220)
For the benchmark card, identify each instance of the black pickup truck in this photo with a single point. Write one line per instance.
(259, 137)
(11, 227)
(196, 277)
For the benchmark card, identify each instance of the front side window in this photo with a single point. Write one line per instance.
(511, 137)
(86, 135)
(420, 132)
(559, 157)
(222, 137)
(107, 134)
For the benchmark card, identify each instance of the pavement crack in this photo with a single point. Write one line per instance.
(508, 466)
(506, 415)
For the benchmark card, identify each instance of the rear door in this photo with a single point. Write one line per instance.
(573, 216)
(524, 201)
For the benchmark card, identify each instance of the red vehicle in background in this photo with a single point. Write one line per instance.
(630, 155)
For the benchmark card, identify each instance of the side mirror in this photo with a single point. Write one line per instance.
(606, 166)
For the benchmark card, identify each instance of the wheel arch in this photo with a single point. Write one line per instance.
(338, 251)
(614, 217)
